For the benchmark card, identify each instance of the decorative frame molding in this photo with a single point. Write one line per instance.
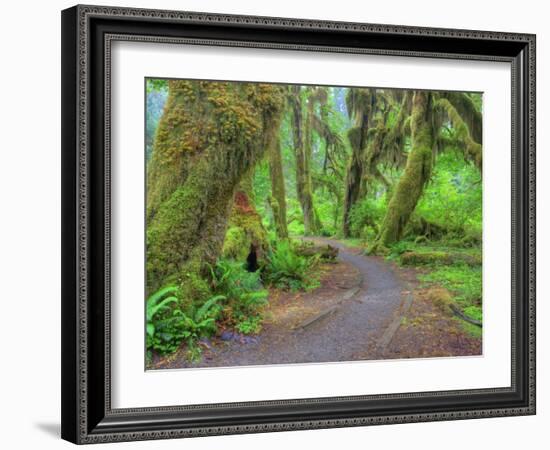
(87, 34)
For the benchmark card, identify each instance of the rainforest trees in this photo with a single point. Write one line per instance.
(320, 160)
(437, 121)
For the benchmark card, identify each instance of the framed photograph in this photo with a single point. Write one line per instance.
(280, 224)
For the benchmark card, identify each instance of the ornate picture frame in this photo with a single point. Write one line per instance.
(88, 33)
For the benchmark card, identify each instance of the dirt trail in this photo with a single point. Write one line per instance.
(349, 333)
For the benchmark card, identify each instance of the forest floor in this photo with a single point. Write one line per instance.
(365, 308)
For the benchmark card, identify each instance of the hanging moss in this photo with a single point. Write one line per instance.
(210, 135)
(466, 108)
(472, 149)
(359, 103)
(417, 172)
(367, 140)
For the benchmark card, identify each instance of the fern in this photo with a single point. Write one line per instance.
(208, 306)
(156, 304)
(168, 326)
(242, 289)
(286, 269)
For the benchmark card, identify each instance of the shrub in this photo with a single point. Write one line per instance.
(439, 258)
(474, 312)
(161, 333)
(400, 248)
(243, 290)
(168, 325)
(464, 281)
(250, 325)
(364, 217)
(286, 269)
(441, 298)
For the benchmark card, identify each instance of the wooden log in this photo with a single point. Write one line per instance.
(324, 251)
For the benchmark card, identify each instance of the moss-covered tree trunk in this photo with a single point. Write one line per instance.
(359, 105)
(246, 237)
(301, 129)
(278, 195)
(354, 174)
(417, 171)
(210, 135)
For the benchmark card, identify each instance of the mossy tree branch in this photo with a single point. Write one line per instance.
(471, 147)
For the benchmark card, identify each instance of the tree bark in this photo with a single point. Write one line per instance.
(302, 145)
(417, 171)
(210, 135)
(246, 237)
(278, 195)
(358, 140)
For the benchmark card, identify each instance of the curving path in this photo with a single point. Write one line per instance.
(350, 333)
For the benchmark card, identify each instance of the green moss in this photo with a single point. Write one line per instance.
(474, 312)
(303, 141)
(413, 258)
(417, 172)
(441, 298)
(246, 232)
(465, 282)
(355, 137)
(277, 200)
(472, 330)
(211, 133)
(236, 244)
(416, 258)
(472, 149)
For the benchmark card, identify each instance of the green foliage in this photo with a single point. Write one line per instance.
(168, 325)
(156, 85)
(204, 138)
(403, 246)
(439, 257)
(463, 280)
(250, 325)
(453, 197)
(236, 243)
(365, 216)
(474, 312)
(158, 326)
(286, 269)
(243, 293)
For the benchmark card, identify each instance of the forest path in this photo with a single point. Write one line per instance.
(353, 328)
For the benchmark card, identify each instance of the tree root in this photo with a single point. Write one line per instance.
(457, 312)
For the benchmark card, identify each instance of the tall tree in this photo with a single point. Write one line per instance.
(210, 135)
(416, 173)
(302, 129)
(359, 103)
(278, 195)
(428, 114)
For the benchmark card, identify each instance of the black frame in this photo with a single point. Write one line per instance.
(87, 31)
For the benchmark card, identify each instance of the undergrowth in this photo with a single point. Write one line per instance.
(286, 269)
(450, 270)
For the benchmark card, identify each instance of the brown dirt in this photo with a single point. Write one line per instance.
(287, 310)
(354, 331)
(427, 329)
